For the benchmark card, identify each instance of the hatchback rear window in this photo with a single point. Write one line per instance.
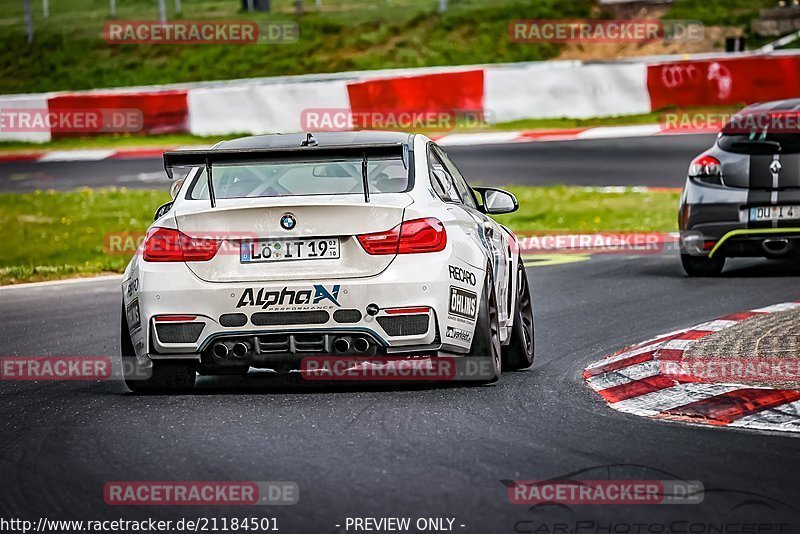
(762, 133)
(280, 179)
(758, 144)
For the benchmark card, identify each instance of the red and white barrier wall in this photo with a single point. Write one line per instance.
(565, 89)
(502, 92)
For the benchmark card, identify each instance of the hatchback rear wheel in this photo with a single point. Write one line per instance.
(702, 265)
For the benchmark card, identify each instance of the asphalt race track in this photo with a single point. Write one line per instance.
(650, 161)
(423, 451)
(413, 451)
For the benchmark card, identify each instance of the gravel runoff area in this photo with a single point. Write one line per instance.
(760, 341)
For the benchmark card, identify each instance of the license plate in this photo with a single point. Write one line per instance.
(295, 249)
(775, 213)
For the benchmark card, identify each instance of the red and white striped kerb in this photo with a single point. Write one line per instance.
(633, 381)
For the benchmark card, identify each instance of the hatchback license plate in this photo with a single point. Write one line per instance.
(775, 213)
(295, 249)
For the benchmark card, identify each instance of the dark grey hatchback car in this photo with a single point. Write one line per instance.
(742, 195)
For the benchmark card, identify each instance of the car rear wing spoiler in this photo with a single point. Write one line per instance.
(209, 158)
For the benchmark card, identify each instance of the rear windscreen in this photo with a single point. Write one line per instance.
(280, 179)
(760, 144)
(762, 133)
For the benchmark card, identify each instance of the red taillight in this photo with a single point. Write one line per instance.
(381, 243)
(422, 235)
(408, 237)
(704, 167)
(167, 244)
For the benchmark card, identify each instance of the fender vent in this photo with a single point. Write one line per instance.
(404, 325)
(347, 316)
(287, 318)
(233, 319)
(179, 332)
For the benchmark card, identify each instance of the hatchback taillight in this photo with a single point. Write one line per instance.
(408, 237)
(169, 245)
(706, 169)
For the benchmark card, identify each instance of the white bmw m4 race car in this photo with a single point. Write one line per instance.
(277, 248)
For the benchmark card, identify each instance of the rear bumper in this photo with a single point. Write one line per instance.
(759, 242)
(714, 221)
(291, 319)
(739, 239)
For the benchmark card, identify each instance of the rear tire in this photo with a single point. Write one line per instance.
(163, 376)
(519, 353)
(485, 349)
(702, 265)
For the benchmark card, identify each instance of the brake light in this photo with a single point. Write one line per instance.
(381, 243)
(705, 168)
(169, 245)
(408, 237)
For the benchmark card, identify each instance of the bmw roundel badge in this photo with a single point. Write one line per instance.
(288, 221)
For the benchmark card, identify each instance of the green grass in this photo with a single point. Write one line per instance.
(728, 13)
(579, 209)
(69, 53)
(51, 235)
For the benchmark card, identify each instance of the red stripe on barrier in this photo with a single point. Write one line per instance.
(728, 407)
(722, 81)
(26, 156)
(740, 316)
(619, 364)
(662, 339)
(639, 387)
(568, 133)
(444, 92)
(159, 112)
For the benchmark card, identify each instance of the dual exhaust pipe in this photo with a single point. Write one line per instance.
(342, 345)
(239, 350)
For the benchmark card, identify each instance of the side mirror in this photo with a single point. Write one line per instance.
(162, 210)
(496, 201)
